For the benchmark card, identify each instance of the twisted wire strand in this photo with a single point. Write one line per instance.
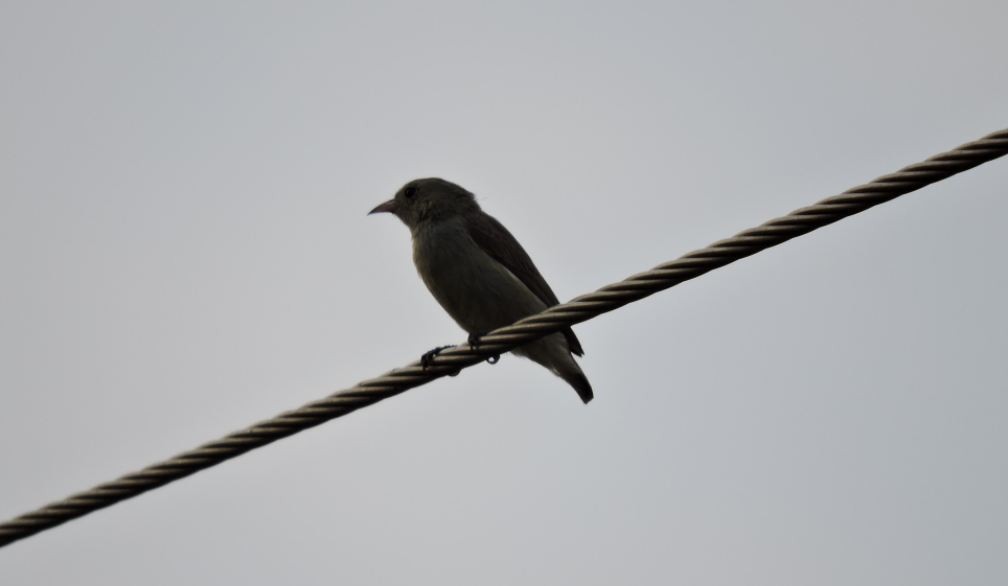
(580, 309)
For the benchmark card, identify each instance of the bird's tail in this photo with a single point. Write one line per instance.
(575, 377)
(553, 353)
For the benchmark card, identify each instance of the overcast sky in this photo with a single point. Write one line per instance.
(184, 251)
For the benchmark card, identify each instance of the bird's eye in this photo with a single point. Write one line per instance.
(410, 192)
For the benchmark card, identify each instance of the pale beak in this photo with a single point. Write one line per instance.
(389, 206)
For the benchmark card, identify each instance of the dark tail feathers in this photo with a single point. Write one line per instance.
(580, 383)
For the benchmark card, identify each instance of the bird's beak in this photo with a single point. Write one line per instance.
(388, 206)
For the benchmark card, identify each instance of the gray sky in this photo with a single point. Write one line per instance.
(184, 250)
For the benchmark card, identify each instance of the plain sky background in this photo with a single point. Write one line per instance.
(184, 251)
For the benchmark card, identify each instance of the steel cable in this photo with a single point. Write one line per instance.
(451, 360)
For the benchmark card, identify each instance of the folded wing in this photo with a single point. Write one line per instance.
(495, 240)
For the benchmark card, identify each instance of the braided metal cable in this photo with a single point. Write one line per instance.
(582, 308)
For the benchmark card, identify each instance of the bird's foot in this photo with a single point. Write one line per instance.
(474, 344)
(428, 357)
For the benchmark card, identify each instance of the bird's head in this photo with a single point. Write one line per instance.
(428, 200)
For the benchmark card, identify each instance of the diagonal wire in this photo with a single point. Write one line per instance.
(580, 309)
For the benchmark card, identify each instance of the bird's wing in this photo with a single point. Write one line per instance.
(495, 240)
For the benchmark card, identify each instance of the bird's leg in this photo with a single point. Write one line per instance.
(427, 357)
(474, 343)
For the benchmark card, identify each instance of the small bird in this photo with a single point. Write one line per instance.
(479, 273)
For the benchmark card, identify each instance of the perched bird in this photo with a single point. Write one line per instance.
(479, 273)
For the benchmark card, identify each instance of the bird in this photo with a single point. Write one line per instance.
(479, 273)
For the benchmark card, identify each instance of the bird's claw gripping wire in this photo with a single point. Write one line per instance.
(474, 343)
(427, 358)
